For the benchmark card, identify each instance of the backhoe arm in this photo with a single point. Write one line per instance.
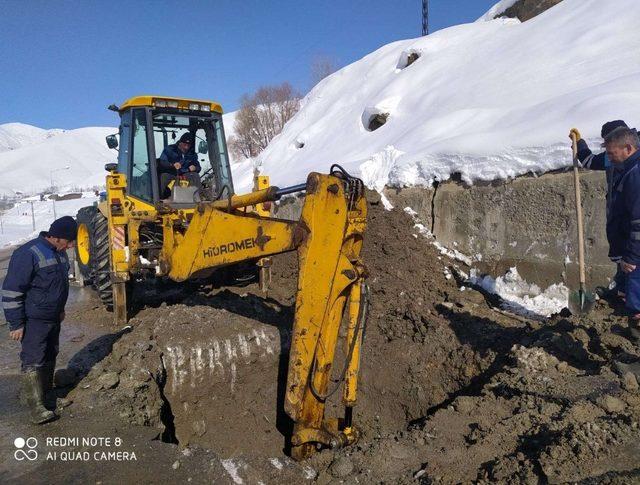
(331, 273)
(328, 238)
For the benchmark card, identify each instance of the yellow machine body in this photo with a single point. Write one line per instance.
(209, 235)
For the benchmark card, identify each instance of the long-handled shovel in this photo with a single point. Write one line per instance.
(580, 301)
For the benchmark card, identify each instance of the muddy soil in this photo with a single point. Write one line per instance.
(451, 389)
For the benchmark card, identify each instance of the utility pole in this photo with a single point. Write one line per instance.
(425, 17)
(54, 209)
(33, 217)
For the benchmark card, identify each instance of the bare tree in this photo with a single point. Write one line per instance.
(321, 67)
(261, 117)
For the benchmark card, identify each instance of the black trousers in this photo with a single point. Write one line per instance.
(40, 344)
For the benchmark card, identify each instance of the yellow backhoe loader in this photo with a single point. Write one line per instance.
(205, 227)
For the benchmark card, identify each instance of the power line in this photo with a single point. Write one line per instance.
(425, 17)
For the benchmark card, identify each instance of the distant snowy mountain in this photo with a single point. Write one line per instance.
(43, 154)
(31, 156)
(18, 135)
(486, 100)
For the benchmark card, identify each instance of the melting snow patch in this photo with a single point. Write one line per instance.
(386, 202)
(276, 463)
(524, 298)
(309, 473)
(453, 253)
(410, 211)
(232, 469)
(447, 273)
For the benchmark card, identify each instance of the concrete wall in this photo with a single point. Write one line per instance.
(527, 222)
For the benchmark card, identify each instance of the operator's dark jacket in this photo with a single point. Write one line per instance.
(623, 214)
(37, 284)
(172, 154)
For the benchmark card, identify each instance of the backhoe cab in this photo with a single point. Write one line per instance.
(136, 233)
(149, 125)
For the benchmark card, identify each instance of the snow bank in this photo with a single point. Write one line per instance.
(486, 100)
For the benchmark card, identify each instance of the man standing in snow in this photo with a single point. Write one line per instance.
(601, 161)
(34, 294)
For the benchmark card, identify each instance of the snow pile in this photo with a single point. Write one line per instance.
(16, 224)
(522, 297)
(486, 100)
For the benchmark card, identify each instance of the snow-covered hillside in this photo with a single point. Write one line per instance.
(28, 168)
(487, 100)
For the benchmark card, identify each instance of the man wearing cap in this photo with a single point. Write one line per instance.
(178, 160)
(623, 223)
(601, 161)
(623, 212)
(34, 294)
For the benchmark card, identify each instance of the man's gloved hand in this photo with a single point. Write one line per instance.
(574, 132)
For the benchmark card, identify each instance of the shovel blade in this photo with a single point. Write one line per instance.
(581, 302)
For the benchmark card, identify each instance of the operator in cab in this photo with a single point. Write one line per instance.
(178, 160)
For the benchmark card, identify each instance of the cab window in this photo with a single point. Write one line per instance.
(140, 178)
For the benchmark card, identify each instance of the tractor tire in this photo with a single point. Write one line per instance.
(83, 243)
(100, 259)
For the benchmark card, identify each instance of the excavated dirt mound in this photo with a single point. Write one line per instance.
(451, 390)
(552, 412)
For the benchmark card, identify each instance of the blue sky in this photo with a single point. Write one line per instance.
(63, 62)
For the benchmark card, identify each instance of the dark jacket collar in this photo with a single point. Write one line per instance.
(43, 238)
(632, 160)
(628, 164)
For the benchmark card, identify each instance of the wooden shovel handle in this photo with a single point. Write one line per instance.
(576, 181)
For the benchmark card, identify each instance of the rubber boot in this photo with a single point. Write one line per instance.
(34, 380)
(48, 370)
(25, 392)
